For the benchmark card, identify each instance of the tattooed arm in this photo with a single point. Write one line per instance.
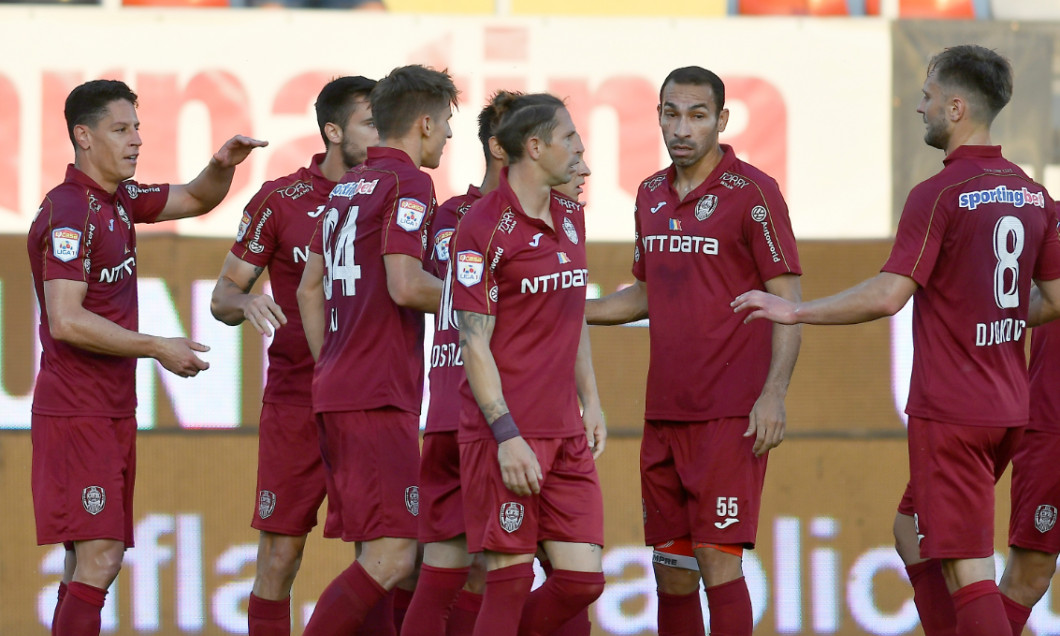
(232, 302)
(519, 467)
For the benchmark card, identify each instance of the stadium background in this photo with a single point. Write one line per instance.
(825, 104)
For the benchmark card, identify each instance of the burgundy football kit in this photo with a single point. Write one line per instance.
(707, 368)
(979, 224)
(84, 403)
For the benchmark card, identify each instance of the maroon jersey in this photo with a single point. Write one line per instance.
(696, 254)
(1045, 378)
(83, 233)
(532, 279)
(274, 232)
(372, 354)
(972, 237)
(447, 369)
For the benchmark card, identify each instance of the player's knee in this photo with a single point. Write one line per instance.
(675, 580)
(578, 588)
(100, 568)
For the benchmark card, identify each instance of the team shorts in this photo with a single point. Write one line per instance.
(84, 470)
(372, 458)
(1035, 493)
(701, 480)
(441, 501)
(952, 470)
(291, 482)
(569, 508)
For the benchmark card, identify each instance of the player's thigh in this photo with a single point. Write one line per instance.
(571, 504)
(441, 514)
(663, 498)
(291, 480)
(1036, 493)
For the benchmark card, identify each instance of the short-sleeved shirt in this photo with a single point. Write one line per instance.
(274, 232)
(372, 355)
(1045, 378)
(447, 367)
(83, 233)
(729, 235)
(972, 237)
(531, 278)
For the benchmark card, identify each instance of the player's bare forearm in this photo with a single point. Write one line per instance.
(205, 191)
(625, 305)
(310, 296)
(589, 395)
(786, 340)
(483, 377)
(410, 285)
(882, 295)
(230, 294)
(1045, 302)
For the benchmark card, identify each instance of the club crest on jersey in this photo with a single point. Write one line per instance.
(653, 184)
(412, 500)
(410, 214)
(563, 258)
(759, 213)
(441, 244)
(1045, 518)
(94, 499)
(66, 243)
(507, 223)
(511, 517)
(568, 229)
(706, 206)
(244, 225)
(469, 266)
(266, 503)
(675, 224)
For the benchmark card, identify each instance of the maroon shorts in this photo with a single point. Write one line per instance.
(84, 469)
(291, 483)
(1035, 493)
(441, 502)
(952, 470)
(569, 508)
(701, 479)
(372, 458)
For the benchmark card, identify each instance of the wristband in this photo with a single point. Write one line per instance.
(504, 428)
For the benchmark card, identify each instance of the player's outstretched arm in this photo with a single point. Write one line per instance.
(311, 302)
(519, 467)
(204, 192)
(882, 295)
(410, 285)
(768, 419)
(70, 322)
(232, 302)
(592, 410)
(1045, 302)
(625, 305)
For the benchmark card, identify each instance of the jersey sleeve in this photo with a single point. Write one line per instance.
(406, 217)
(146, 202)
(769, 234)
(440, 239)
(316, 241)
(257, 235)
(475, 286)
(638, 254)
(1048, 265)
(66, 238)
(918, 240)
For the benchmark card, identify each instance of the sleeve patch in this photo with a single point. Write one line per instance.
(66, 244)
(441, 244)
(410, 214)
(244, 225)
(469, 266)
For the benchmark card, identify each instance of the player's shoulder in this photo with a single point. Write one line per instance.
(68, 201)
(739, 174)
(655, 181)
(291, 187)
(566, 203)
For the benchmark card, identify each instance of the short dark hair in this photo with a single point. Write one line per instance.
(338, 98)
(983, 75)
(87, 104)
(487, 121)
(407, 93)
(521, 117)
(697, 76)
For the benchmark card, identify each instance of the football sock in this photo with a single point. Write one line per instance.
(402, 599)
(730, 609)
(58, 606)
(502, 604)
(344, 603)
(379, 621)
(932, 598)
(1017, 614)
(436, 591)
(80, 614)
(269, 618)
(564, 595)
(680, 615)
(579, 624)
(463, 614)
(980, 611)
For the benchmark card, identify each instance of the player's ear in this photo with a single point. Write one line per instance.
(496, 151)
(723, 119)
(83, 136)
(333, 132)
(427, 124)
(534, 145)
(957, 109)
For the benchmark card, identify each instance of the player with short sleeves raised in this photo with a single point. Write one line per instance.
(526, 451)
(707, 227)
(82, 252)
(363, 295)
(970, 241)
(274, 234)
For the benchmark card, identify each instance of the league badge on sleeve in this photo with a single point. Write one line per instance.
(66, 244)
(410, 214)
(469, 266)
(244, 225)
(441, 244)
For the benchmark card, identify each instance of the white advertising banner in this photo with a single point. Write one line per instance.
(803, 107)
